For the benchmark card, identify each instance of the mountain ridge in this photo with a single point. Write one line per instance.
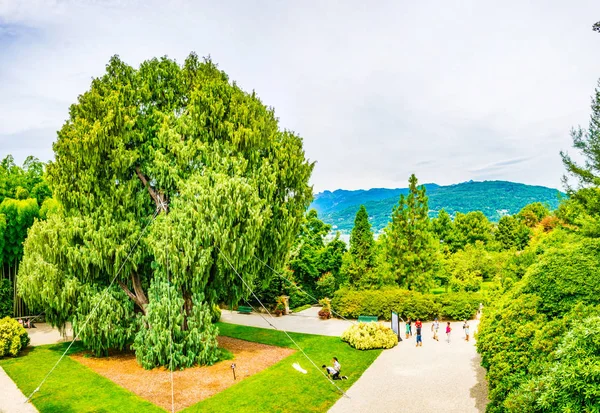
(493, 198)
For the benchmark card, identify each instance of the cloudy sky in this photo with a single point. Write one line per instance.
(451, 91)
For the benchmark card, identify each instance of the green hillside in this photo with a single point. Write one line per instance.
(493, 198)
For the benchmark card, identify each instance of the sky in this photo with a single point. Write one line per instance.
(450, 91)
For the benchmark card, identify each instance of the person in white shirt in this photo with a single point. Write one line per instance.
(334, 371)
(435, 326)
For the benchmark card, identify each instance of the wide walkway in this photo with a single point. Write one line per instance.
(12, 400)
(437, 377)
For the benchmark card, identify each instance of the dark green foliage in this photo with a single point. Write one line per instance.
(358, 263)
(19, 215)
(470, 228)
(6, 298)
(361, 239)
(512, 232)
(493, 198)
(409, 246)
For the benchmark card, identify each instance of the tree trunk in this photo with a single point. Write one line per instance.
(139, 298)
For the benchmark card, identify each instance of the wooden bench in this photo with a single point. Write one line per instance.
(244, 310)
(367, 319)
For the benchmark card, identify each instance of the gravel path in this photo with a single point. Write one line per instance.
(12, 400)
(437, 377)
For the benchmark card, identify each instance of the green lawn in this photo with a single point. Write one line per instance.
(72, 387)
(75, 388)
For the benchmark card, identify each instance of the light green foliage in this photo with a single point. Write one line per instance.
(367, 336)
(6, 297)
(380, 303)
(209, 156)
(470, 228)
(22, 182)
(512, 232)
(410, 247)
(49, 207)
(573, 382)
(13, 337)
(164, 327)
(109, 326)
(460, 306)
(519, 336)
(469, 267)
(532, 214)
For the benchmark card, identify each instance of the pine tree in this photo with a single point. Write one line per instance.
(410, 246)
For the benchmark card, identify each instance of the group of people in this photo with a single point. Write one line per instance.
(334, 372)
(435, 327)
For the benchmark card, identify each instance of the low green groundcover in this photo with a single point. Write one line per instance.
(73, 387)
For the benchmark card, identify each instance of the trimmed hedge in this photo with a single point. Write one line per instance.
(368, 336)
(408, 304)
(13, 337)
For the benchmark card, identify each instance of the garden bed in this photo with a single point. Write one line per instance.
(192, 384)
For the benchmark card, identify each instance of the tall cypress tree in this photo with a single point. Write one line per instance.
(410, 244)
(361, 238)
(360, 259)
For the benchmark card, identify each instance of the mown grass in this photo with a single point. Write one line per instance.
(73, 387)
(280, 388)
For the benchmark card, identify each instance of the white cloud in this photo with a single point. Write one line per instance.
(378, 91)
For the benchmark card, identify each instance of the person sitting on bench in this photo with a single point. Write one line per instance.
(334, 372)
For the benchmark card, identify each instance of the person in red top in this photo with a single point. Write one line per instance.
(419, 327)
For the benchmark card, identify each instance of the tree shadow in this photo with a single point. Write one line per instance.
(479, 391)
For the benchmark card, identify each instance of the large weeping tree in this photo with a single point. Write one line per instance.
(198, 171)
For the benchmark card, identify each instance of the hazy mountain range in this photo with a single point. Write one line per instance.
(493, 198)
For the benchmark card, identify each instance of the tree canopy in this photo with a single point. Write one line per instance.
(187, 144)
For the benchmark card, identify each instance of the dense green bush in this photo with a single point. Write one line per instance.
(367, 336)
(408, 304)
(380, 303)
(216, 314)
(6, 298)
(460, 306)
(525, 337)
(13, 337)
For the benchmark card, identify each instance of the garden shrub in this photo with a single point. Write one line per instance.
(367, 336)
(13, 337)
(525, 336)
(6, 298)
(408, 304)
(460, 306)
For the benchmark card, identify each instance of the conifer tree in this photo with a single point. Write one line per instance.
(411, 248)
(360, 259)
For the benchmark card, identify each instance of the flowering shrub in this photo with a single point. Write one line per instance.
(13, 337)
(367, 336)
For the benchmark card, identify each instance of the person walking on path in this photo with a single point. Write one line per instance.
(408, 328)
(466, 329)
(435, 327)
(419, 327)
(448, 331)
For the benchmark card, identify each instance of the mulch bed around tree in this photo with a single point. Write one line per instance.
(190, 385)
